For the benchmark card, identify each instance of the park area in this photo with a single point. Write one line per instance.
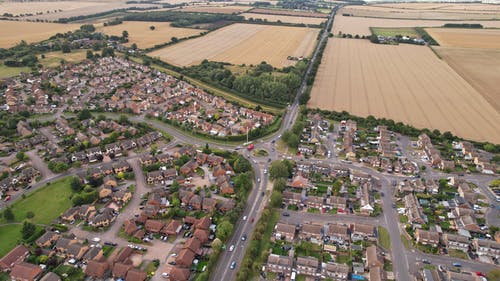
(243, 44)
(13, 32)
(45, 204)
(406, 83)
(141, 33)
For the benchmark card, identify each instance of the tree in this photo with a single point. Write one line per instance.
(276, 199)
(217, 245)
(87, 28)
(125, 34)
(224, 230)
(277, 170)
(242, 165)
(8, 214)
(279, 184)
(89, 55)
(134, 46)
(65, 48)
(76, 184)
(152, 27)
(20, 156)
(30, 215)
(84, 114)
(108, 52)
(175, 39)
(494, 274)
(28, 230)
(123, 120)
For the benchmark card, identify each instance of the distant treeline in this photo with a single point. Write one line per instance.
(463, 25)
(181, 19)
(424, 35)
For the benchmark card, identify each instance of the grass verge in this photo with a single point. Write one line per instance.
(384, 238)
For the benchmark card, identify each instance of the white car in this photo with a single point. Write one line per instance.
(258, 180)
(96, 239)
(231, 248)
(244, 218)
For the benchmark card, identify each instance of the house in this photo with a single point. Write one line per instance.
(337, 233)
(94, 253)
(103, 219)
(96, 269)
(110, 181)
(147, 160)
(336, 202)
(153, 226)
(307, 266)
(24, 271)
(195, 202)
(16, 255)
(129, 227)
(299, 182)
(363, 231)
(120, 270)
(136, 275)
(335, 271)
(63, 244)
(185, 258)
(314, 202)
(194, 245)
(456, 242)
(121, 167)
(280, 264)
(311, 232)
(71, 214)
(50, 277)
(425, 237)
(372, 257)
(485, 247)
(413, 210)
(189, 167)
(77, 250)
(46, 240)
(154, 177)
(202, 235)
(285, 231)
(122, 196)
(292, 198)
(172, 228)
(209, 205)
(179, 274)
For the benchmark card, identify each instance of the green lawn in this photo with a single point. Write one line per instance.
(6, 71)
(458, 254)
(405, 241)
(384, 238)
(403, 31)
(47, 203)
(9, 234)
(73, 274)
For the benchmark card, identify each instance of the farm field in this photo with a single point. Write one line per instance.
(430, 14)
(361, 25)
(394, 31)
(54, 7)
(479, 67)
(144, 37)
(12, 32)
(6, 71)
(288, 13)
(441, 6)
(405, 83)
(243, 44)
(288, 19)
(466, 38)
(215, 9)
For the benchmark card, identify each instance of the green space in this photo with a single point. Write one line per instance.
(6, 71)
(405, 241)
(458, 254)
(384, 238)
(69, 273)
(403, 219)
(4, 276)
(53, 59)
(47, 203)
(260, 153)
(394, 31)
(9, 235)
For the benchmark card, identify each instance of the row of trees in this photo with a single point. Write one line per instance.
(181, 19)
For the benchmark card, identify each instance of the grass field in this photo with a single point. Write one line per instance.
(394, 31)
(243, 44)
(12, 32)
(405, 83)
(18, 8)
(47, 203)
(458, 254)
(9, 235)
(140, 33)
(466, 38)
(479, 67)
(384, 238)
(361, 25)
(53, 59)
(6, 71)
(286, 19)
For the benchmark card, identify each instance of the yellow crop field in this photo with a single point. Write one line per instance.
(479, 67)
(243, 44)
(466, 38)
(215, 9)
(405, 83)
(429, 14)
(46, 7)
(462, 7)
(361, 25)
(141, 34)
(287, 19)
(12, 32)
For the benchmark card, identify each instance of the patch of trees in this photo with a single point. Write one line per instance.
(424, 35)
(83, 17)
(181, 19)
(463, 25)
(113, 22)
(258, 84)
(8, 122)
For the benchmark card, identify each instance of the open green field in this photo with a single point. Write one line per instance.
(53, 59)
(6, 72)
(47, 203)
(9, 234)
(393, 31)
(384, 238)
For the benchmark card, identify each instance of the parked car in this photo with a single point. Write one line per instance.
(231, 248)
(244, 237)
(286, 214)
(233, 265)
(457, 264)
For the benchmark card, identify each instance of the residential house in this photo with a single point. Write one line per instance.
(209, 205)
(311, 232)
(338, 233)
(103, 219)
(51, 277)
(336, 202)
(189, 167)
(24, 271)
(63, 244)
(185, 258)
(77, 251)
(46, 240)
(334, 271)
(292, 198)
(307, 266)
(413, 210)
(299, 182)
(16, 255)
(178, 274)
(280, 264)
(120, 270)
(136, 275)
(172, 228)
(285, 231)
(314, 202)
(362, 231)
(425, 237)
(121, 167)
(372, 257)
(97, 269)
(456, 242)
(94, 253)
(153, 226)
(485, 247)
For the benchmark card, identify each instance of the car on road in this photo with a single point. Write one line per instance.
(96, 239)
(233, 265)
(110, 244)
(7, 198)
(262, 193)
(265, 171)
(251, 220)
(479, 273)
(457, 264)
(382, 194)
(426, 261)
(231, 248)
(244, 218)
(244, 237)
(258, 179)
(286, 214)
(394, 205)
